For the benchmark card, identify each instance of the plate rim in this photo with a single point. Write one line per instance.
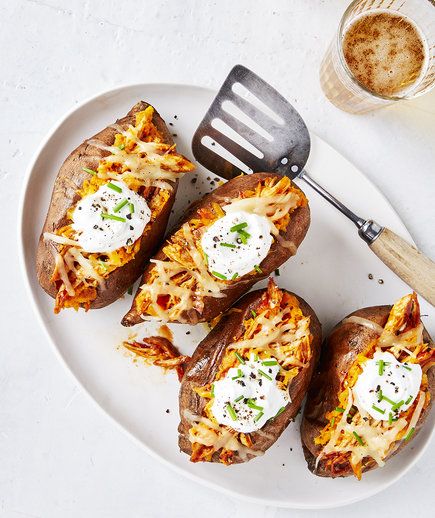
(37, 312)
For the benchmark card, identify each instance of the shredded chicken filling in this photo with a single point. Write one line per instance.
(278, 329)
(352, 435)
(180, 281)
(149, 167)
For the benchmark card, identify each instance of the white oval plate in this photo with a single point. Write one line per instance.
(330, 271)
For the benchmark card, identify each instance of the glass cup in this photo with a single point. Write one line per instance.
(339, 83)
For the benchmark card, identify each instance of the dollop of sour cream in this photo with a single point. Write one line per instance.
(248, 396)
(113, 217)
(387, 386)
(236, 244)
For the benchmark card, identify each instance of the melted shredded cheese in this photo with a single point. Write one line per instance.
(140, 158)
(182, 280)
(278, 330)
(61, 240)
(63, 274)
(377, 438)
(272, 207)
(204, 431)
(164, 284)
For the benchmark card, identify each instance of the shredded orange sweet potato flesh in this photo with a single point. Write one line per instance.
(404, 320)
(177, 251)
(85, 288)
(293, 355)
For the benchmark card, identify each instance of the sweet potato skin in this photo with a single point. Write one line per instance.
(340, 350)
(64, 195)
(278, 254)
(205, 362)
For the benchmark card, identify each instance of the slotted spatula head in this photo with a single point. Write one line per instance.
(250, 127)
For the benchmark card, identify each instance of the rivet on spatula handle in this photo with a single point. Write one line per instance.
(413, 267)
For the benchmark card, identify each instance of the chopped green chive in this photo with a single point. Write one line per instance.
(339, 409)
(381, 367)
(251, 404)
(409, 434)
(268, 363)
(280, 411)
(212, 390)
(256, 357)
(277, 272)
(120, 205)
(258, 417)
(390, 418)
(241, 360)
(114, 187)
(244, 236)
(253, 313)
(131, 207)
(121, 147)
(239, 375)
(262, 373)
(408, 400)
(103, 265)
(238, 399)
(258, 269)
(130, 290)
(397, 405)
(104, 215)
(358, 438)
(378, 409)
(234, 276)
(332, 422)
(90, 171)
(228, 245)
(232, 412)
(407, 368)
(219, 275)
(237, 228)
(388, 400)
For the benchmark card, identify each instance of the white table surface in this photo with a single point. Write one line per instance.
(59, 456)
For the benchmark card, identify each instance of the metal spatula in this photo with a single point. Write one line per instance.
(250, 127)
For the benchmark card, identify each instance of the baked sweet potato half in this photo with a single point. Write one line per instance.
(109, 209)
(247, 379)
(372, 392)
(229, 240)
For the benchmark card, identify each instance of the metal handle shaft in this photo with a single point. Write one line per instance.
(359, 222)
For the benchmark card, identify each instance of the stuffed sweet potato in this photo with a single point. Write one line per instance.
(246, 380)
(109, 209)
(228, 241)
(373, 390)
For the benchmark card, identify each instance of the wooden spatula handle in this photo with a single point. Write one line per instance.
(413, 267)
